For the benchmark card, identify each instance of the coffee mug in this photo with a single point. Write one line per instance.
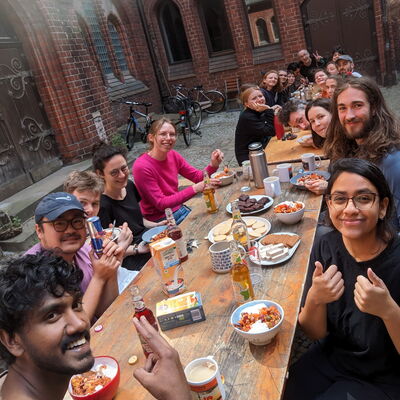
(284, 171)
(272, 186)
(220, 253)
(309, 162)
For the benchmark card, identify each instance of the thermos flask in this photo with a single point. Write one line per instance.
(258, 163)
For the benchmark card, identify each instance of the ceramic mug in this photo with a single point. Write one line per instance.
(309, 161)
(220, 253)
(284, 171)
(272, 186)
(204, 379)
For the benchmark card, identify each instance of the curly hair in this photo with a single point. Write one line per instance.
(384, 132)
(103, 152)
(289, 107)
(372, 173)
(25, 281)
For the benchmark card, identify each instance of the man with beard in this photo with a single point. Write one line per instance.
(60, 226)
(362, 126)
(44, 334)
(309, 63)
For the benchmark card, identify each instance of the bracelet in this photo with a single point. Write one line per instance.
(135, 249)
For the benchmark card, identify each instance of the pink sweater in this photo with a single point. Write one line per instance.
(157, 183)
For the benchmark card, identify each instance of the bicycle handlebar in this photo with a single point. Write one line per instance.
(136, 103)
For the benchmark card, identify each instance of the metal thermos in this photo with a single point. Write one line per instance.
(258, 163)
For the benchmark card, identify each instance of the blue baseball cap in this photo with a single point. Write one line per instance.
(55, 204)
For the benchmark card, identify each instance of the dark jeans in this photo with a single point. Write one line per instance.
(180, 214)
(314, 377)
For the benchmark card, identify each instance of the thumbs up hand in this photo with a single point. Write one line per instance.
(326, 286)
(371, 295)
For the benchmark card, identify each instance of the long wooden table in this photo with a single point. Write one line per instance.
(251, 372)
(280, 151)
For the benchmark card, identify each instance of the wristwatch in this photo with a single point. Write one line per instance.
(135, 249)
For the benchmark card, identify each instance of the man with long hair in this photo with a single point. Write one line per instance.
(363, 127)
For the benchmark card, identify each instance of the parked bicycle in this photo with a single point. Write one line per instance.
(134, 127)
(211, 101)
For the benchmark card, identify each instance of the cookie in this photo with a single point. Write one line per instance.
(258, 224)
(219, 238)
(287, 240)
(250, 221)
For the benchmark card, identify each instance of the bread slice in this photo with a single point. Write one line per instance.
(287, 240)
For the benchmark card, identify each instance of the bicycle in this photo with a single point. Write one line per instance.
(211, 101)
(189, 120)
(133, 124)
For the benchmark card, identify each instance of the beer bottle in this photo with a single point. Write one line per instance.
(209, 195)
(240, 274)
(141, 309)
(239, 228)
(175, 233)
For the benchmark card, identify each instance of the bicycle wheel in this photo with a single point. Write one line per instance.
(187, 132)
(172, 105)
(194, 113)
(130, 134)
(217, 101)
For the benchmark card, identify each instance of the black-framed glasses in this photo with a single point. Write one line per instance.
(115, 172)
(362, 201)
(61, 225)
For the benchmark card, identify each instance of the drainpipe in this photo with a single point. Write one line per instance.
(153, 57)
(389, 77)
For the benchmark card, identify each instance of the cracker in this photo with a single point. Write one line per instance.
(287, 240)
(222, 229)
(219, 238)
(260, 231)
(258, 225)
(250, 221)
(253, 233)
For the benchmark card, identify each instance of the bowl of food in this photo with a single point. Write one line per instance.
(226, 176)
(289, 212)
(258, 321)
(100, 383)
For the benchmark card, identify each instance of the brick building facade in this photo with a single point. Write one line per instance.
(82, 56)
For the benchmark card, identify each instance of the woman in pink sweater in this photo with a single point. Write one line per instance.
(156, 174)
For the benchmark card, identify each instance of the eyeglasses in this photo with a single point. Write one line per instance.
(61, 225)
(362, 201)
(115, 172)
(164, 135)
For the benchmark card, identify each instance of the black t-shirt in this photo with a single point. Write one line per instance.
(252, 126)
(358, 343)
(126, 210)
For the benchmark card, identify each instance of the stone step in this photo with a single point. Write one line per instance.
(26, 239)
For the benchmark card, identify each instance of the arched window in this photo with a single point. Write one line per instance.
(173, 32)
(262, 31)
(117, 46)
(99, 44)
(215, 25)
(263, 26)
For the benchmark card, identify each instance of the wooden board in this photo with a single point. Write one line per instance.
(278, 151)
(250, 372)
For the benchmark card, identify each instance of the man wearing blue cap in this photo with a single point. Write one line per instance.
(345, 66)
(60, 227)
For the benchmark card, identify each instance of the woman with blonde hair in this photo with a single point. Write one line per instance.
(256, 122)
(156, 174)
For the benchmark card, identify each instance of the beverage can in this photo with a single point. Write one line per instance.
(95, 235)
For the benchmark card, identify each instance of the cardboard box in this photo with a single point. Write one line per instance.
(166, 261)
(180, 310)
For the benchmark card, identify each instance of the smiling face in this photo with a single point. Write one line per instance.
(255, 98)
(270, 80)
(331, 69)
(331, 85)
(319, 119)
(56, 336)
(115, 172)
(90, 201)
(304, 57)
(164, 140)
(66, 243)
(320, 78)
(355, 224)
(298, 119)
(354, 111)
(283, 76)
(344, 66)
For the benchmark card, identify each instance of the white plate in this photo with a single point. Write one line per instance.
(290, 254)
(264, 220)
(257, 197)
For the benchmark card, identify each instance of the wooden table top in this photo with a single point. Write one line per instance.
(279, 151)
(251, 372)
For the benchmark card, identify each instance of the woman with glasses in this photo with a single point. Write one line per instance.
(352, 305)
(156, 174)
(120, 202)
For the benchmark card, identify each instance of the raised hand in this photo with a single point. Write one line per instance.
(125, 237)
(316, 55)
(326, 286)
(216, 158)
(372, 296)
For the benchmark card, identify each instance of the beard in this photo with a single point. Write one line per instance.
(363, 131)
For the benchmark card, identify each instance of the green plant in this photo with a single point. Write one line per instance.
(16, 222)
(117, 140)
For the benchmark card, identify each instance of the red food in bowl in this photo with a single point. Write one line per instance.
(110, 388)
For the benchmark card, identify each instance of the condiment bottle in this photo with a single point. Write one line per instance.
(142, 310)
(258, 163)
(239, 227)
(175, 233)
(209, 195)
(240, 274)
